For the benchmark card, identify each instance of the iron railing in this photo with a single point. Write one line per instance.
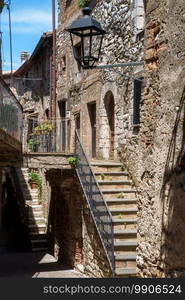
(54, 138)
(96, 202)
(11, 120)
(44, 143)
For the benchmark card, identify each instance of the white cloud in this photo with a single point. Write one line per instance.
(29, 21)
(30, 16)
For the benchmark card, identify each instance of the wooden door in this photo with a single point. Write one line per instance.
(92, 113)
(62, 110)
(77, 123)
(111, 127)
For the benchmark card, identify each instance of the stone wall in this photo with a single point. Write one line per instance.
(31, 85)
(80, 88)
(156, 157)
(73, 237)
(95, 260)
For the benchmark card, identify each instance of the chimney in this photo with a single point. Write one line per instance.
(24, 56)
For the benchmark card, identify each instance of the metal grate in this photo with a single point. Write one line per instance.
(96, 202)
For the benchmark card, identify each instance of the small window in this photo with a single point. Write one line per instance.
(47, 114)
(68, 3)
(63, 63)
(136, 100)
(32, 123)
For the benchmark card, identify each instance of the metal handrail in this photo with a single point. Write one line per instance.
(95, 200)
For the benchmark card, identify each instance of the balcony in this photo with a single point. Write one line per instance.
(10, 126)
(47, 136)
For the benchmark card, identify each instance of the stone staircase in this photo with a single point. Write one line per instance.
(34, 213)
(120, 197)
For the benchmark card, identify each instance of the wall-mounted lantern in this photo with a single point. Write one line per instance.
(90, 36)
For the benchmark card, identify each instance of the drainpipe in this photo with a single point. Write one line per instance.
(53, 99)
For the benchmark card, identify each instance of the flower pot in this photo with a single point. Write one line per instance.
(33, 184)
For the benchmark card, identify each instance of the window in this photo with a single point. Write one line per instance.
(68, 3)
(32, 123)
(136, 100)
(63, 63)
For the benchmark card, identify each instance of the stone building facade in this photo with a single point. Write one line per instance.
(31, 83)
(156, 158)
(100, 105)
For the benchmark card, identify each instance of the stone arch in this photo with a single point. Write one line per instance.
(108, 121)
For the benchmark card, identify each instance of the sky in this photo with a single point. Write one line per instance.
(30, 18)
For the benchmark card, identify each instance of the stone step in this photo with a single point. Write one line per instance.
(121, 200)
(123, 210)
(106, 167)
(32, 201)
(126, 260)
(126, 257)
(39, 249)
(38, 236)
(34, 209)
(126, 244)
(111, 175)
(114, 184)
(118, 193)
(126, 272)
(105, 163)
(36, 221)
(33, 192)
(34, 218)
(114, 173)
(31, 198)
(34, 226)
(36, 231)
(35, 214)
(118, 190)
(125, 232)
(124, 220)
(34, 241)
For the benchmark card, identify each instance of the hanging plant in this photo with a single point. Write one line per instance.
(83, 3)
(43, 128)
(32, 143)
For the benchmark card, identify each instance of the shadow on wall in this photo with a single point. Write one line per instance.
(173, 201)
(65, 219)
(13, 233)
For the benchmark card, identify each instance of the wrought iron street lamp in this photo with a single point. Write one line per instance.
(91, 34)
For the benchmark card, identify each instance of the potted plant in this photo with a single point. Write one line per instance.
(73, 161)
(43, 128)
(32, 144)
(35, 180)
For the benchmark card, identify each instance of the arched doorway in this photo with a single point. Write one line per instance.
(108, 126)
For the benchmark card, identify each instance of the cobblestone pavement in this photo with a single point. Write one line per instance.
(33, 265)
